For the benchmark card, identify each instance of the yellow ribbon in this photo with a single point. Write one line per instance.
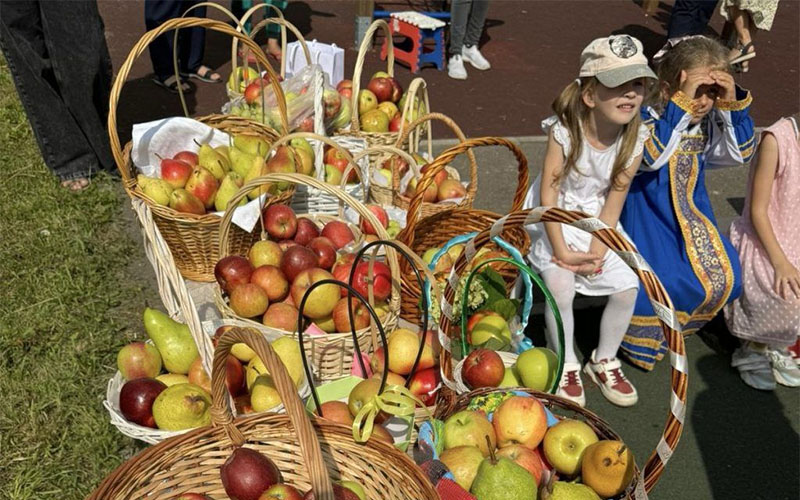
(395, 400)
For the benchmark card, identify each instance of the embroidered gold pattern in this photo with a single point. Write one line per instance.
(683, 101)
(735, 105)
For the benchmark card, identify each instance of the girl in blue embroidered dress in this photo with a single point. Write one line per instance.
(702, 122)
(594, 148)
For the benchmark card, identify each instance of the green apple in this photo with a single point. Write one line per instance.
(537, 368)
(510, 378)
(564, 444)
(469, 428)
(490, 327)
(355, 488)
(332, 175)
(380, 74)
(385, 177)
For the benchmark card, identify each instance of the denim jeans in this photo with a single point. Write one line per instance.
(467, 18)
(191, 41)
(690, 17)
(59, 60)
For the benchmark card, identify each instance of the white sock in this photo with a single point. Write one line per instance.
(615, 321)
(561, 284)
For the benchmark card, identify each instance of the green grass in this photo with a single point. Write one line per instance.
(68, 302)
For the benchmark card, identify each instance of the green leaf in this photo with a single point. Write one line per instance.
(495, 344)
(507, 308)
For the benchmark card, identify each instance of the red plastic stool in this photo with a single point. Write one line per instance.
(420, 29)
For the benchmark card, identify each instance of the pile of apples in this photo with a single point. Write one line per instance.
(516, 456)
(248, 474)
(270, 282)
(441, 189)
(403, 346)
(380, 105)
(206, 180)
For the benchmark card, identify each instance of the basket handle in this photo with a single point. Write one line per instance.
(412, 163)
(284, 24)
(441, 161)
(141, 46)
(235, 44)
(660, 300)
(472, 187)
(221, 414)
(366, 45)
(417, 86)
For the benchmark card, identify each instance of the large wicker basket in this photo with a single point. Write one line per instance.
(423, 233)
(417, 91)
(331, 354)
(307, 453)
(399, 198)
(193, 239)
(449, 403)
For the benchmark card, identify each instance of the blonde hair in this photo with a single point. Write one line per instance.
(572, 112)
(691, 53)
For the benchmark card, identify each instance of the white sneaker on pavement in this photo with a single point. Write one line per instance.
(607, 374)
(571, 385)
(455, 68)
(473, 56)
(754, 366)
(784, 368)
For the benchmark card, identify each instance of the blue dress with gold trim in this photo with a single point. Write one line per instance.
(668, 216)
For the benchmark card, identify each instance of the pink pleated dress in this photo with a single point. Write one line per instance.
(760, 314)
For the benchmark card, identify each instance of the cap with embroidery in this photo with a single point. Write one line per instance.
(615, 60)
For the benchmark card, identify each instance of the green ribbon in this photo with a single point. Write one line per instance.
(395, 400)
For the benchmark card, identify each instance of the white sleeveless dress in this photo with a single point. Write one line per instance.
(584, 190)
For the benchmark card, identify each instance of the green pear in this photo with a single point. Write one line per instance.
(503, 479)
(182, 406)
(224, 151)
(172, 339)
(251, 144)
(241, 162)
(158, 190)
(305, 161)
(301, 143)
(213, 161)
(562, 490)
(263, 394)
(230, 185)
(257, 169)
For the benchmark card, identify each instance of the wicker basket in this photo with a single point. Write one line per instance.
(192, 239)
(416, 87)
(429, 232)
(331, 354)
(449, 403)
(399, 199)
(307, 453)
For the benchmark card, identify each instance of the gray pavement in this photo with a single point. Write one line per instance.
(738, 443)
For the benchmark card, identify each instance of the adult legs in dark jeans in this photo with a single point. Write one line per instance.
(467, 18)
(57, 55)
(690, 17)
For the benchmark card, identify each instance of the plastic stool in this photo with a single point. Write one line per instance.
(419, 28)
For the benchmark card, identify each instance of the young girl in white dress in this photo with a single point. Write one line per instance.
(594, 148)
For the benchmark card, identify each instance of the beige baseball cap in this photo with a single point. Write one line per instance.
(615, 60)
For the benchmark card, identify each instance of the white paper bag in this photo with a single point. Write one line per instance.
(329, 56)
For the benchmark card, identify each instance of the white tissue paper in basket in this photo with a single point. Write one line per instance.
(169, 136)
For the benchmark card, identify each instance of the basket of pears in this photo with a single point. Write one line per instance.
(267, 455)
(187, 186)
(538, 445)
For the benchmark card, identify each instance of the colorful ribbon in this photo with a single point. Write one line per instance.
(395, 400)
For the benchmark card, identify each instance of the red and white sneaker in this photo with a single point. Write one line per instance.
(794, 351)
(607, 374)
(571, 385)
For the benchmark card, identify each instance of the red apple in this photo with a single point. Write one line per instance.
(187, 156)
(281, 491)
(381, 280)
(336, 411)
(297, 259)
(424, 385)
(449, 189)
(175, 172)
(284, 245)
(243, 404)
(306, 231)
(342, 272)
(325, 251)
(281, 222)
(253, 91)
(524, 457)
(249, 300)
(396, 123)
(281, 316)
(246, 474)
(341, 318)
(343, 85)
(520, 420)
(234, 375)
(483, 368)
(430, 192)
(380, 214)
(440, 176)
(198, 376)
(272, 280)
(331, 103)
(473, 320)
(232, 271)
(382, 88)
(338, 232)
(137, 360)
(397, 90)
(397, 165)
(136, 400)
(322, 299)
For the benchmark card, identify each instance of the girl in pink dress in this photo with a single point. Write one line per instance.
(766, 317)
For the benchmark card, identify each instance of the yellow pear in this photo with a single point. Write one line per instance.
(251, 144)
(230, 186)
(213, 161)
(258, 169)
(263, 394)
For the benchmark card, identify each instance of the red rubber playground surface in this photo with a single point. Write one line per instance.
(533, 46)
